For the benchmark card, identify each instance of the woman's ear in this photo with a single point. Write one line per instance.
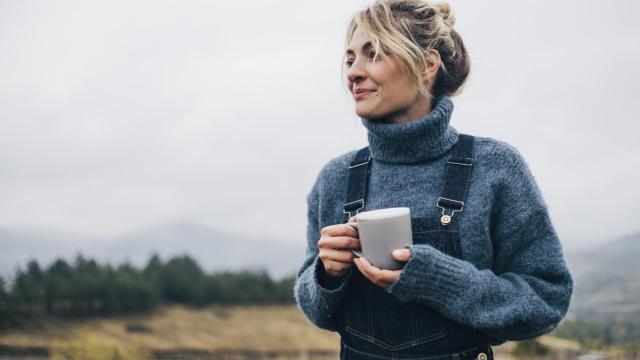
(433, 61)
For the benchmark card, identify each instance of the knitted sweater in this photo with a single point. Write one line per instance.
(513, 283)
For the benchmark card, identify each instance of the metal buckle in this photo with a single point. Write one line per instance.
(361, 201)
(446, 219)
(460, 163)
(360, 164)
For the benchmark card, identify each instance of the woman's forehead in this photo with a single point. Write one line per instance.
(361, 35)
(359, 40)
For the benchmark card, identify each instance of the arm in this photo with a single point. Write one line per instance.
(317, 294)
(528, 290)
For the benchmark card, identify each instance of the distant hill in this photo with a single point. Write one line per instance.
(214, 250)
(607, 280)
(20, 245)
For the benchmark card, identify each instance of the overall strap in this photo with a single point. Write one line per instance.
(456, 181)
(359, 171)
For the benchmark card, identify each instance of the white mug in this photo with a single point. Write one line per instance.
(382, 231)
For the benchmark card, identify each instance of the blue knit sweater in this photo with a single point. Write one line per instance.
(513, 283)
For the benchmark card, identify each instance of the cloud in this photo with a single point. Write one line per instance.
(120, 115)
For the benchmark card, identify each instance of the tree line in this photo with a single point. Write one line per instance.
(85, 288)
(603, 333)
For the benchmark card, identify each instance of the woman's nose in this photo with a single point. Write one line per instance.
(356, 72)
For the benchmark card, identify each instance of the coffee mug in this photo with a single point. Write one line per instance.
(382, 231)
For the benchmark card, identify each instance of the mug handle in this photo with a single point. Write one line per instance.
(354, 225)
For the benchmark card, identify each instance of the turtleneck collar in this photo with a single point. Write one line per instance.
(421, 140)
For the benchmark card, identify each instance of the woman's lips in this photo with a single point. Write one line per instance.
(362, 94)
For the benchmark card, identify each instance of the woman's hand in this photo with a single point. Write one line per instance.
(335, 245)
(382, 278)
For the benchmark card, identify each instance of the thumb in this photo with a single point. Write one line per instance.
(401, 254)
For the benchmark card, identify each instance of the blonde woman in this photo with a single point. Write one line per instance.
(486, 265)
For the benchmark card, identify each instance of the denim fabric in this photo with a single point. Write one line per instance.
(476, 353)
(379, 324)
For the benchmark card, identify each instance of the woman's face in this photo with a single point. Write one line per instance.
(387, 94)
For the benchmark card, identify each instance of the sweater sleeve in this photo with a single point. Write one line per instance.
(528, 290)
(317, 294)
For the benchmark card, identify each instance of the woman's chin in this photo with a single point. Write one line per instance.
(371, 116)
(365, 112)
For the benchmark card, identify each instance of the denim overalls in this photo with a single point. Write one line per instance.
(376, 325)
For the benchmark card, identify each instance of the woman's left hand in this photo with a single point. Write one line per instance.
(380, 277)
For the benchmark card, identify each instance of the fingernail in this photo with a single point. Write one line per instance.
(396, 252)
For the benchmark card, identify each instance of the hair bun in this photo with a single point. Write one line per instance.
(444, 10)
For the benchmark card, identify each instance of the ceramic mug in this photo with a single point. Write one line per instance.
(382, 231)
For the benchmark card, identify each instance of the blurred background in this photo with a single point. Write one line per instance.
(155, 157)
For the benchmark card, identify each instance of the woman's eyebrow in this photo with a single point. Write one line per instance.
(366, 46)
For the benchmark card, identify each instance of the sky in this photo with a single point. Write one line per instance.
(121, 115)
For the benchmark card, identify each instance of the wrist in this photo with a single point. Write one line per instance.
(327, 280)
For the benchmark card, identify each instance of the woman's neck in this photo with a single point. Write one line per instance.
(415, 112)
(419, 140)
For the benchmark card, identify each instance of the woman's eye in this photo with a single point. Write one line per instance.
(372, 55)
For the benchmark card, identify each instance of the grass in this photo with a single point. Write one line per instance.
(257, 329)
(281, 331)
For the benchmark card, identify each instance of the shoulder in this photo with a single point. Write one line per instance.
(504, 165)
(337, 165)
(499, 156)
(497, 151)
(333, 173)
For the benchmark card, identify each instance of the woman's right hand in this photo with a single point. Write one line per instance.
(335, 245)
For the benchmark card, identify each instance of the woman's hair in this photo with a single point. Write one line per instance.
(409, 28)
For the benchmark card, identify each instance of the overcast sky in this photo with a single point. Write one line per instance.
(118, 115)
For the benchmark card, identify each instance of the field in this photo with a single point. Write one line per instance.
(214, 332)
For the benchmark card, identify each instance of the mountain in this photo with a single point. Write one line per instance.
(607, 280)
(212, 249)
(20, 245)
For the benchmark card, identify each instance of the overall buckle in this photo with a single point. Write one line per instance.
(353, 206)
(446, 218)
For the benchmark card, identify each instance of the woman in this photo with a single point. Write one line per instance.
(486, 265)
